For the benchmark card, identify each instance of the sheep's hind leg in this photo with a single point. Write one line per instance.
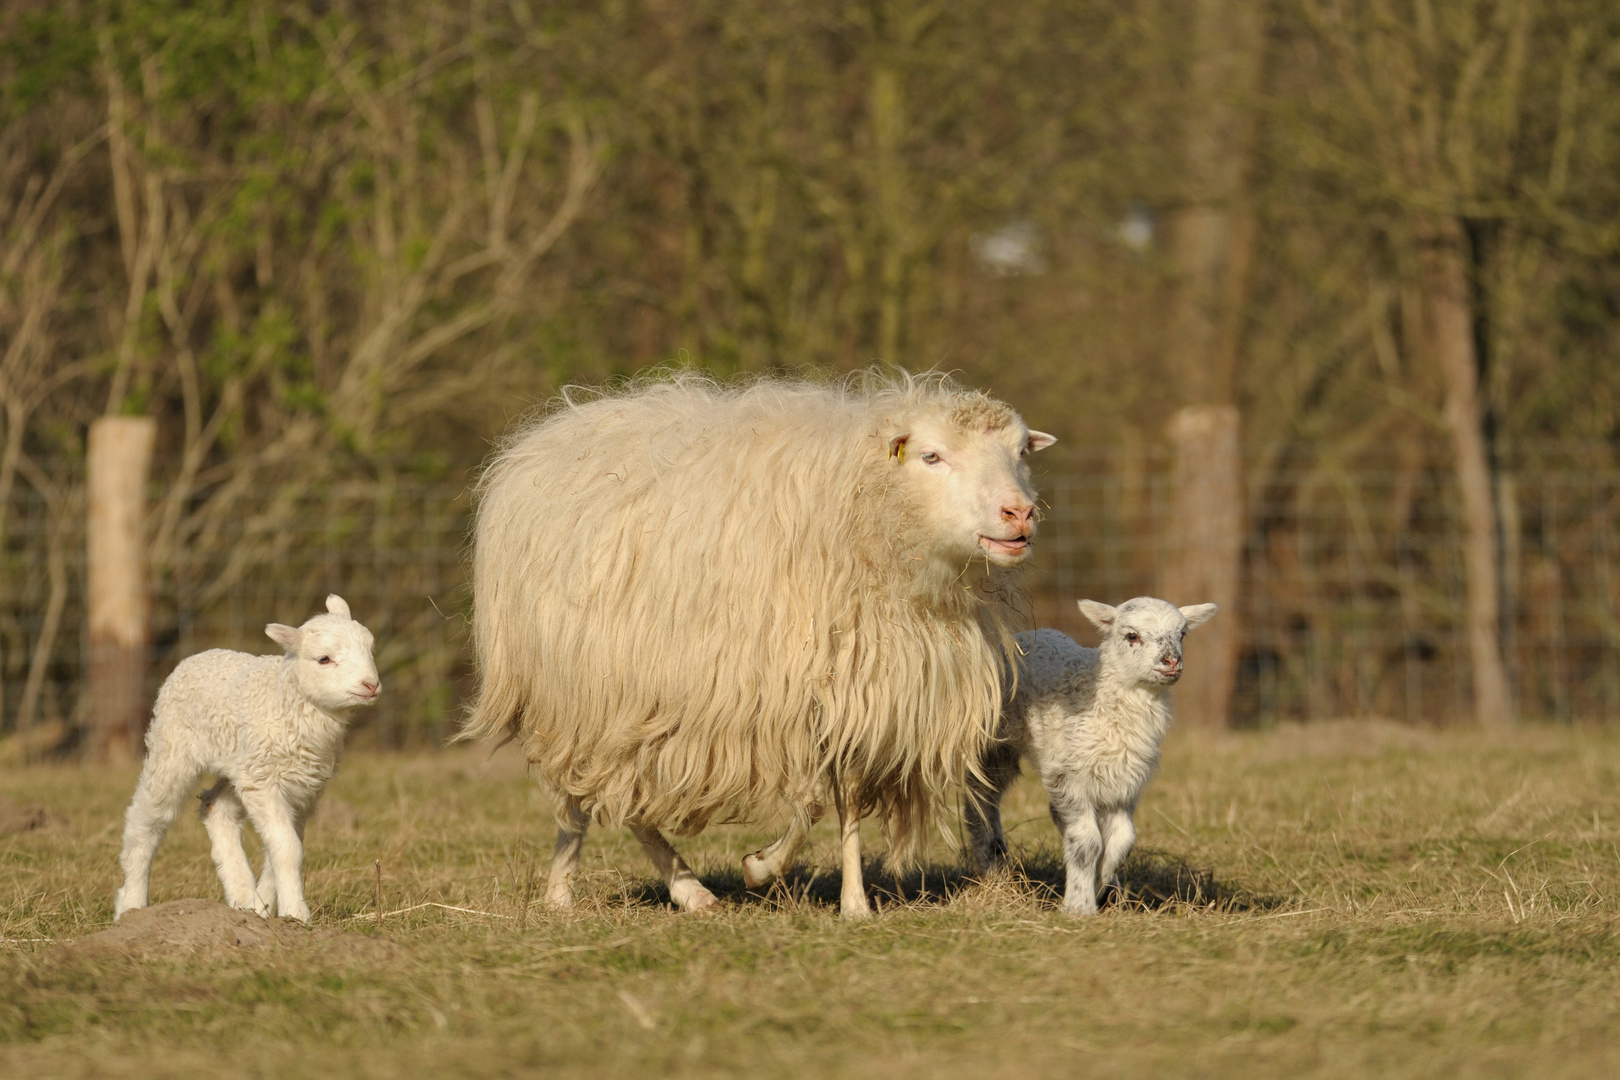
(222, 816)
(764, 866)
(981, 808)
(852, 902)
(158, 795)
(571, 825)
(685, 889)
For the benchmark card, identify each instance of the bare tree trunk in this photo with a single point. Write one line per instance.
(1206, 556)
(1451, 337)
(1212, 246)
(120, 458)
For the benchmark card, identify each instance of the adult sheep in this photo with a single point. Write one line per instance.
(698, 600)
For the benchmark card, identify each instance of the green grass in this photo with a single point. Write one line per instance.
(1340, 900)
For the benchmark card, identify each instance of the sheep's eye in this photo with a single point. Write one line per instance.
(324, 660)
(1134, 638)
(930, 458)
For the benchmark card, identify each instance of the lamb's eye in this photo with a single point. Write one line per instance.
(930, 458)
(1134, 638)
(324, 660)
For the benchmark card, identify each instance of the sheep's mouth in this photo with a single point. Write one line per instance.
(1015, 548)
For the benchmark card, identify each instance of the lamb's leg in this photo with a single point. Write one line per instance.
(163, 786)
(266, 889)
(273, 819)
(769, 863)
(684, 887)
(981, 810)
(1118, 836)
(852, 903)
(222, 815)
(1076, 820)
(571, 826)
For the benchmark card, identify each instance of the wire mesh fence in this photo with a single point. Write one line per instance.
(1352, 597)
(1352, 587)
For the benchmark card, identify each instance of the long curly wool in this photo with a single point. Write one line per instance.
(697, 600)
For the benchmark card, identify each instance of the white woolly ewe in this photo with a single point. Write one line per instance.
(698, 601)
(1090, 721)
(270, 728)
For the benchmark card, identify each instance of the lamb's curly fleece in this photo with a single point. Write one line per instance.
(271, 728)
(1090, 721)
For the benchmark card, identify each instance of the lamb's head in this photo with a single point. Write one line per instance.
(964, 462)
(331, 657)
(1141, 639)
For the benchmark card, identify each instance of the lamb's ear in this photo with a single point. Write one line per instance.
(1198, 614)
(1101, 615)
(1040, 440)
(897, 447)
(285, 636)
(338, 606)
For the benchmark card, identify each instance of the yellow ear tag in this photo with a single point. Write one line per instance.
(900, 453)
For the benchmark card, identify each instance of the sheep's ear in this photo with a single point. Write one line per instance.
(1101, 615)
(1040, 440)
(1198, 614)
(285, 636)
(897, 447)
(338, 606)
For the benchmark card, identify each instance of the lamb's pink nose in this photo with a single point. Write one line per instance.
(1021, 515)
(371, 688)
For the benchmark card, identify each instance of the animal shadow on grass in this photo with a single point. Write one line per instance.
(1149, 881)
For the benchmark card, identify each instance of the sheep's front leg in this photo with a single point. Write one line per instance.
(1118, 837)
(266, 889)
(284, 848)
(223, 814)
(571, 825)
(764, 866)
(1076, 820)
(852, 902)
(684, 887)
(982, 808)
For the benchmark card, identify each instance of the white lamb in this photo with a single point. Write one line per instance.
(1090, 721)
(270, 728)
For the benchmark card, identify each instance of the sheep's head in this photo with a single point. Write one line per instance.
(968, 473)
(1141, 639)
(331, 657)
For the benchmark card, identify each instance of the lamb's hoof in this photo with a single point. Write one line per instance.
(757, 873)
(300, 913)
(697, 898)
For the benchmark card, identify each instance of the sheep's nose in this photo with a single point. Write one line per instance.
(371, 686)
(1021, 515)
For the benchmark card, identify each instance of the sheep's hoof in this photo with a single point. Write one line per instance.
(757, 873)
(696, 898)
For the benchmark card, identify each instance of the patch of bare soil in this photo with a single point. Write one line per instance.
(21, 819)
(209, 928)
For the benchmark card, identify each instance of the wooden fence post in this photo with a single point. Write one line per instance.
(119, 461)
(1206, 528)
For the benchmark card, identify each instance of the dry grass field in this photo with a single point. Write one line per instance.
(1338, 900)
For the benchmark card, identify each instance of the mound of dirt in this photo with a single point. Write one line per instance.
(209, 928)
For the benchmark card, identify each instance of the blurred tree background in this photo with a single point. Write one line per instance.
(1322, 297)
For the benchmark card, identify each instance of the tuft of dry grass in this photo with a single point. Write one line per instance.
(1345, 899)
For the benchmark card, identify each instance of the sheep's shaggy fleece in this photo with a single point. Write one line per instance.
(698, 600)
